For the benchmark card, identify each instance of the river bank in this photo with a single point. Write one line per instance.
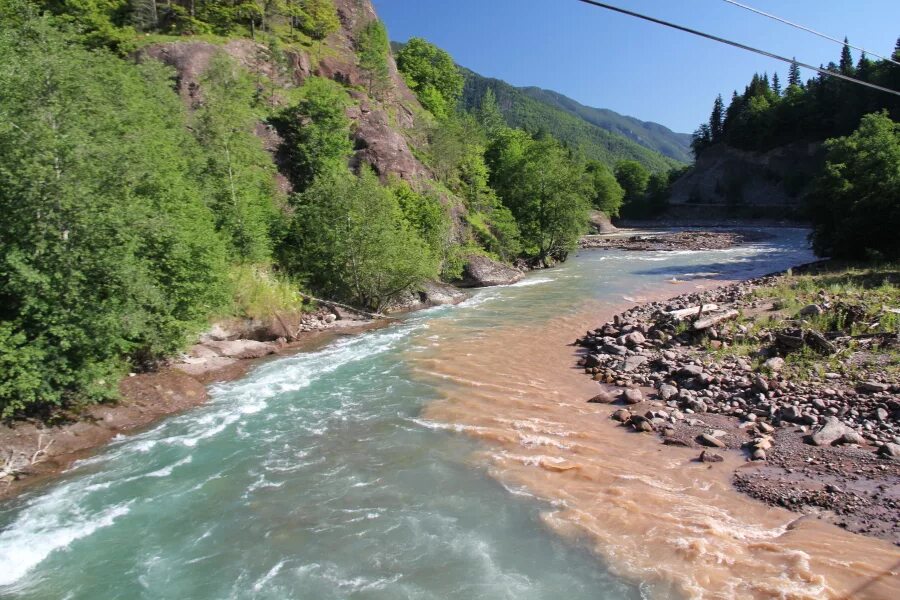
(770, 368)
(35, 450)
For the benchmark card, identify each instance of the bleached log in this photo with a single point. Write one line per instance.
(714, 320)
(693, 311)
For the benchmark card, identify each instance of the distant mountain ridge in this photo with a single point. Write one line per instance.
(646, 133)
(599, 134)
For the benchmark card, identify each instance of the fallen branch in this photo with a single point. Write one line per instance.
(684, 313)
(345, 307)
(714, 320)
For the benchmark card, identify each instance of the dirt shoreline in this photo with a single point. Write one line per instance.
(146, 399)
(726, 407)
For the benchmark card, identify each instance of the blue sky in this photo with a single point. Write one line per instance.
(608, 60)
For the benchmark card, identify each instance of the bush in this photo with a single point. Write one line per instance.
(349, 239)
(855, 207)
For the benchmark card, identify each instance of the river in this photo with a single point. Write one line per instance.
(448, 456)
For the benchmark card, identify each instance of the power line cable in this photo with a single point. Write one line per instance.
(808, 30)
(721, 40)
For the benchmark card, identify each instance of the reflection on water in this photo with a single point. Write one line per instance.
(343, 474)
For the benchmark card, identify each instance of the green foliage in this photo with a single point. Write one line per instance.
(856, 204)
(596, 134)
(258, 293)
(426, 216)
(238, 173)
(316, 132)
(547, 192)
(606, 193)
(373, 48)
(633, 178)
(764, 117)
(319, 18)
(432, 74)
(350, 240)
(108, 254)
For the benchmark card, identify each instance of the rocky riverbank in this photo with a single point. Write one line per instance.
(799, 373)
(675, 240)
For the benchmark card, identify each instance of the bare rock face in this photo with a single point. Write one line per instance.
(382, 146)
(600, 223)
(481, 271)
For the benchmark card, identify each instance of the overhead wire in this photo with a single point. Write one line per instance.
(722, 40)
(809, 30)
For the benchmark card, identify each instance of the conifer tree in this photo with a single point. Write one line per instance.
(716, 123)
(846, 64)
(897, 50)
(776, 85)
(794, 75)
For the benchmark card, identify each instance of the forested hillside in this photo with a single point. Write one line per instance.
(164, 164)
(827, 148)
(646, 133)
(579, 128)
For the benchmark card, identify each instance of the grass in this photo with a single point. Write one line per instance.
(857, 301)
(259, 293)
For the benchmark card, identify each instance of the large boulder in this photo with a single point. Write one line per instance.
(829, 432)
(481, 271)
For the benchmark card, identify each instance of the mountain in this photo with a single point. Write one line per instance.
(600, 134)
(646, 133)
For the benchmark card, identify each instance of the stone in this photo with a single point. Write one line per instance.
(632, 396)
(850, 437)
(829, 432)
(690, 371)
(591, 361)
(790, 413)
(667, 391)
(872, 387)
(615, 349)
(241, 349)
(633, 363)
(811, 310)
(774, 364)
(622, 415)
(889, 450)
(709, 457)
(634, 339)
(709, 440)
(641, 423)
(760, 384)
(481, 271)
(602, 397)
(759, 454)
(698, 406)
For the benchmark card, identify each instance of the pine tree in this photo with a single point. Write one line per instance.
(794, 75)
(776, 85)
(716, 124)
(897, 50)
(846, 64)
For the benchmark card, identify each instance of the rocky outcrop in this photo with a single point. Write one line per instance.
(727, 180)
(481, 271)
(600, 223)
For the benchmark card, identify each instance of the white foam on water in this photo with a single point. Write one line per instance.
(39, 531)
(532, 281)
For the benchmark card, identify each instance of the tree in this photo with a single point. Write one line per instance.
(701, 139)
(373, 48)
(316, 131)
(776, 85)
(489, 115)
(607, 194)
(794, 75)
(319, 18)
(633, 178)
(716, 120)
(239, 175)
(546, 191)
(350, 240)
(432, 74)
(856, 204)
(846, 64)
